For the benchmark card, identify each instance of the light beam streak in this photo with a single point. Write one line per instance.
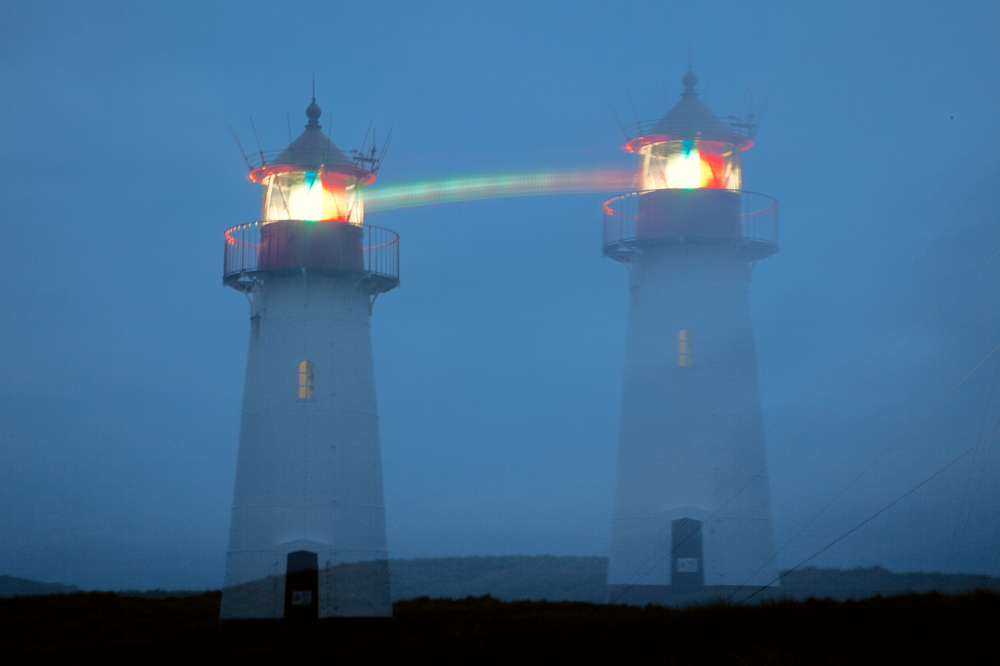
(496, 185)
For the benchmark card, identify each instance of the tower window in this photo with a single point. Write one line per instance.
(685, 349)
(306, 380)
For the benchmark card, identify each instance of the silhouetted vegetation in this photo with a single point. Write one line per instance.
(92, 627)
(168, 627)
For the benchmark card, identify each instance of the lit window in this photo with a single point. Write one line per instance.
(306, 380)
(685, 350)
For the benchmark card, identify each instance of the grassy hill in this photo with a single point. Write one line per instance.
(516, 578)
(167, 628)
(11, 586)
(508, 578)
(570, 578)
(108, 628)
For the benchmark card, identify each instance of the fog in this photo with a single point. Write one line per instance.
(499, 360)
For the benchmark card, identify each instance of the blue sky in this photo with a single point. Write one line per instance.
(499, 360)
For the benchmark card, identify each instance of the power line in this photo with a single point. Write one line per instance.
(822, 415)
(885, 508)
(867, 469)
(958, 533)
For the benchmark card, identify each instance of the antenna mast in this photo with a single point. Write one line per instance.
(240, 146)
(257, 139)
(371, 159)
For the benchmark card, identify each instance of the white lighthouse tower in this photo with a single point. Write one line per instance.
(692, 507)
(308, 524)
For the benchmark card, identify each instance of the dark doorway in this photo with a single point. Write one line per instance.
(686, 571)
(302, 587)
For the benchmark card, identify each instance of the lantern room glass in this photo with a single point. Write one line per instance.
(312, 196)
(689, 164)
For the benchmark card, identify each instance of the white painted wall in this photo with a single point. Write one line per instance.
(692, 443)
(309, 472)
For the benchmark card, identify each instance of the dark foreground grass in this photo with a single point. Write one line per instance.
(107, 628)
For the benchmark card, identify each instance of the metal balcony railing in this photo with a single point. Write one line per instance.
(758, 220)
(243, 244)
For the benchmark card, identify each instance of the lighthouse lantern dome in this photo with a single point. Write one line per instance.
(312, 180)
(690, 147)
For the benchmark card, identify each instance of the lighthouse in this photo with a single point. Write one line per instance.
(307, 538)
(692, 513)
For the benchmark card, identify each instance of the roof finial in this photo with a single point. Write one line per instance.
(313, 112)
(690, 80)
(314, 83)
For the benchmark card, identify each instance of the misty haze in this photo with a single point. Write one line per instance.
(499, 362)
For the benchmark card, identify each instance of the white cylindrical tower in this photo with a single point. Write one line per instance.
(692, 507)
(307, 538)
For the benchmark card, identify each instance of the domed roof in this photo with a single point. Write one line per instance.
(690, 119)
(310, 151)
(313, 148)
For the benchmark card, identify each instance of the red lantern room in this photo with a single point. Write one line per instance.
(312, 215)
(312, 180)
(690, 185)
(689, 147)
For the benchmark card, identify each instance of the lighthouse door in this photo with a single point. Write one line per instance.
(302, 587)
(686, 571)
